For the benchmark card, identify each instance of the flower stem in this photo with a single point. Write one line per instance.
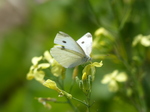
(88, 101)
(71, 105)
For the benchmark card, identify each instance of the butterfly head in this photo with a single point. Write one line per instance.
(87, 58)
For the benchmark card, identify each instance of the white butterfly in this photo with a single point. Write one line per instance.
(71, 53)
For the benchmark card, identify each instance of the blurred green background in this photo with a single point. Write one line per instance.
(28, 28)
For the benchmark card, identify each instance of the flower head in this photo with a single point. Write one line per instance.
(36, 70)
(90, 70)
(102, 43)
(113, 78)
(88, 77)
(52, 85)
(143, 40)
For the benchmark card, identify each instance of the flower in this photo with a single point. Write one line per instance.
(47, 56)
(36, 70)
(112, 79)
(90, 70)
(52, 85)
(35, 60)
(57, 70)
(88, 76)
(143, 40)
(102, 44)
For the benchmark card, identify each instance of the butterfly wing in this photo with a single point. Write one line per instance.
(67, 58)
(71, 53)
(68, 42)
(85, 43)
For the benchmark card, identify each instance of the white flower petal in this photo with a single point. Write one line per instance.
(121, 77)
(113, 86)
(44, 65)
(35, 60)
(136, 40)
(145, 41)
(114, 74)
(106, 79)
(47, 56)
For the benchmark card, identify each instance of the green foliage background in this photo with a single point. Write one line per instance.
(35, 33)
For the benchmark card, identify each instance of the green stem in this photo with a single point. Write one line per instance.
(88, 101)
(138, 101)
(79, 101)
(68, 100)
(86, 104)
(71, 105)
(138, 90)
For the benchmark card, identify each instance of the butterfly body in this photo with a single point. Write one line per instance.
(70, 53)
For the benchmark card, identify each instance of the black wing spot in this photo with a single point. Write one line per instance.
(64, 41)
(82, 42)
